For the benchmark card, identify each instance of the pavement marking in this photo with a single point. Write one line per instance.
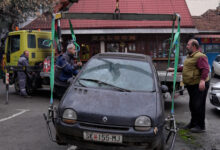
(72, 147)
(15, 115)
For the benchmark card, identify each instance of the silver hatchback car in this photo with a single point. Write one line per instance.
(216, 66)
(215, 95)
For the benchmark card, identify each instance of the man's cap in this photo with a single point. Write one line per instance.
(71, 45)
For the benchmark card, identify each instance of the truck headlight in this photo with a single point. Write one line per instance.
(142, 123)
(69, 116)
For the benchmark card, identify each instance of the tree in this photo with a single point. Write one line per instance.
(13, 12)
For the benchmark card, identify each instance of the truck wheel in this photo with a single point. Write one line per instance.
(29, 90)
(16, 86)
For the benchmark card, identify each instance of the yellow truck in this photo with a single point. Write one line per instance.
(36, 42)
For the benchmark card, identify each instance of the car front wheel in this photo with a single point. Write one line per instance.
(161, 145)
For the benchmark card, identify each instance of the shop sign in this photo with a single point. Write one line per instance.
(216, 40)
(205, 40)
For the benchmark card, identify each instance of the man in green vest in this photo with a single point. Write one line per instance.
(196, 79)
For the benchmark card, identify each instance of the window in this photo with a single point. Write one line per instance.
(31, 41)
(14, 43)
(126, 74)
(217, 59)
(131, 47)
(112, 47)
(43, 43)
(213, 48)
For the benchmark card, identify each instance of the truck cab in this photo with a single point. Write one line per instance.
(36, 42)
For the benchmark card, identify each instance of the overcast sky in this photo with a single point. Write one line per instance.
(198, 7)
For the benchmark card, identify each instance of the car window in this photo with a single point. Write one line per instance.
(43, 43)
(131, 75)
(31, 41)
(217, 59)
(14, 43)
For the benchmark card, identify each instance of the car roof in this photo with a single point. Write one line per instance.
(133, 56)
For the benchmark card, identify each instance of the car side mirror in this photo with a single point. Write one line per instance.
(164, 88)
(70, 81)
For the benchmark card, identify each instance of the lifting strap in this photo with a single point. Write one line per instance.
(52, 60)
(74, 37)
(176, 44)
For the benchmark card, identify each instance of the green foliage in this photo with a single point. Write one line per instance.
(186, 136)
(17, 11)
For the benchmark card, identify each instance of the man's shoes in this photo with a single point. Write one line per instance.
(197, 129)
(188, 126)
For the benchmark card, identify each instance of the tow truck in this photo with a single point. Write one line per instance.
(34, 41)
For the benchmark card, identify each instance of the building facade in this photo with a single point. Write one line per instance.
(146, 37)
(208, 26)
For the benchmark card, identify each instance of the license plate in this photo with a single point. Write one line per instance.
(102, 137)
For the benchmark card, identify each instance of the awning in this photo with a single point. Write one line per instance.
(207, 36)
(131, 31)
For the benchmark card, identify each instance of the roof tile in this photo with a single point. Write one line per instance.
(128, 6)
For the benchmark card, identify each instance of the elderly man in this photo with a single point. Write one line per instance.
(65, 69)
(22, 76)
(65, 66)
(195, 77)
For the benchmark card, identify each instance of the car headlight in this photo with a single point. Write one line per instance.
(69, 116)
(142, 123)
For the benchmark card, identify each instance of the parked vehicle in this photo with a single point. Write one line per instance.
(36, 42)
(114, 102)
(214, 95)
(166, 78)
(216, 66)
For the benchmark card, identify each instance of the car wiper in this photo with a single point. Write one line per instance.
(101, 82)
(81, 84)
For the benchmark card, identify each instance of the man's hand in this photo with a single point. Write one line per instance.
(79, 63)
(170, 69)
(202, 85)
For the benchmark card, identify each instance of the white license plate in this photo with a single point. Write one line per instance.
(102, 137)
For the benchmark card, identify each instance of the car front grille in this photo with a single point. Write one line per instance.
(102, 126)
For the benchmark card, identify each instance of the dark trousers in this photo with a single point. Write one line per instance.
(22, 77)
(197, 104)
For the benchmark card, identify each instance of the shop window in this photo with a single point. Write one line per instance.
(131, 47)
(203, 48)
(212, 48)
(85, 51)
(112, 47)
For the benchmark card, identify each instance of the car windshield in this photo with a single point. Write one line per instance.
(119, 74)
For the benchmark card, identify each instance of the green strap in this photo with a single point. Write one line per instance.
(74, 37)
(57, 41)
(52, 60)
(171, 44)
(176, 44)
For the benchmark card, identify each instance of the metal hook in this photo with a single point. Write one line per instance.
(117, 11)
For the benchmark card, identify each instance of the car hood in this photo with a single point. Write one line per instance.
(120, 108)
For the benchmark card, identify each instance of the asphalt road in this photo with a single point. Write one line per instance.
(22, 126)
